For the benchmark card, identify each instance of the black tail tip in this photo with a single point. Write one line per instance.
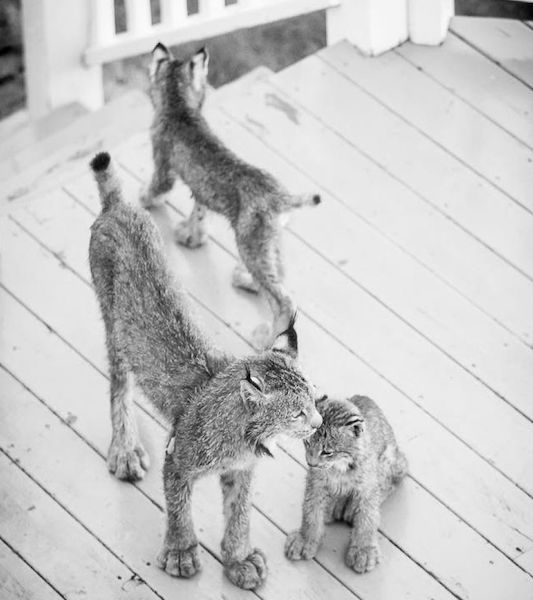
(100, 162)
(317, 199)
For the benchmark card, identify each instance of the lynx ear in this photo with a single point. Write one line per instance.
(252, 390)
(356, 422)
(160, 53)
(287, 341)
(198, 67)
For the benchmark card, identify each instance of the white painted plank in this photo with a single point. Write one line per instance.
(87, 411)
(477, 80)
(443, 117)
(441, 314)
(336, 368)
(505, 41)
(73, 561)
(461, 195)
(401, 514)
(18, 581)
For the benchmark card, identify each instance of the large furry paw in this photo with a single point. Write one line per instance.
(179, 563)
(190, 237)
(248, 573)
(147, 200)
(242, 279)
(364, 559)
(128, 464)
(299, 548)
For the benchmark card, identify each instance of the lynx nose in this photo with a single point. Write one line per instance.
(315, 421)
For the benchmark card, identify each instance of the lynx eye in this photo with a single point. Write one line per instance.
(298, 415)
(326, 453)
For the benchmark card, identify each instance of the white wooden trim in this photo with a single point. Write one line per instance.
(173, 12)
(429, 20)
(138, 15)
(373, 26)
(56, 33)
(202, 26)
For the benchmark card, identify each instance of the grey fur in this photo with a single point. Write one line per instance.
(223, 410)
(364, 467)
(252, 200)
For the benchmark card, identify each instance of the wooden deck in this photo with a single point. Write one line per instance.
(415, 284)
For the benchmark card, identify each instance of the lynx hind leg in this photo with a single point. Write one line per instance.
(126, 458)
(192, 232)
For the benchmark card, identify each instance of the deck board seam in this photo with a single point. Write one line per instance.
(73, 516)
(30, 566)
(454, 92)
(428, 136)
(491, 58)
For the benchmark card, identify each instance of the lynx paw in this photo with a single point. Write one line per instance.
(189, 237)
(243, 280)
(261, 336)
(298, 548)
(147, 200)
(362, 560)
(179, 563)
(248, 573)
(129, 464)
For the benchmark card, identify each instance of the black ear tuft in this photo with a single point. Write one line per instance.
(160, 48)
(100, 162)
(287, 340)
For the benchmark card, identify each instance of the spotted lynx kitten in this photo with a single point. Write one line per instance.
(251, 199)
(223, 411)
(355, 463)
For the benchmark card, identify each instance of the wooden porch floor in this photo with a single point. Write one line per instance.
(415, 285)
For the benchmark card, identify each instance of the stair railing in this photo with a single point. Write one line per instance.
(68, 41)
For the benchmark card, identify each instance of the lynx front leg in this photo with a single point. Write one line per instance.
(304, 543)
(126, 457)
(192, 232)
(162, 179)
(363, 552)
(179, 556)
(244, 566)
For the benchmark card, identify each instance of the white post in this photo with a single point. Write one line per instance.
(429, 20)
(374, 26)
(138, 16)
(173, 12)
(56, 33)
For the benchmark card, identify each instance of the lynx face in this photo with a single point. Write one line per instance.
(178, 82)
(334, 444)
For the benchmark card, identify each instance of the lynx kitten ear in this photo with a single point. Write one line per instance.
(160, 53)
(356, 422)
(287, 341)
(252, 390)
(198, 66)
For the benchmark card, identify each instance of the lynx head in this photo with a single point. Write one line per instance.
(278, 398)
(178, 83)
(335, 443)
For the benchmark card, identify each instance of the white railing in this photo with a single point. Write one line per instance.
(68, 41)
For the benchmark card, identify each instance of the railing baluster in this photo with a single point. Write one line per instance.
(211, 8)
(102, 21)
(138, 16)
(173, 12)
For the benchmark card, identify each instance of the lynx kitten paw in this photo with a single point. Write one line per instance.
(248, 573)
(298, 548)
(129, 464)
(179, 563)
(185, 235)
(147, 200)
(242, 279)
(362, 560)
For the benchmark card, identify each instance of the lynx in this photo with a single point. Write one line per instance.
(251, 199)
(223, 411)
(354, 464)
